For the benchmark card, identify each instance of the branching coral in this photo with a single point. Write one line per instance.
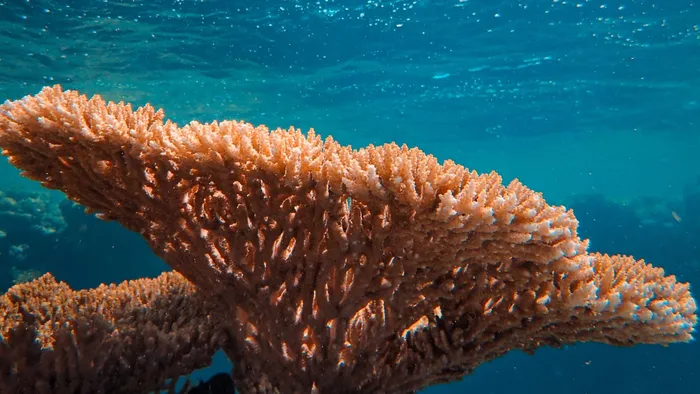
(340, 270)
(137, 336)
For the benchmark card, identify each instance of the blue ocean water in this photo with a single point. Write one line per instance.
(594, 103)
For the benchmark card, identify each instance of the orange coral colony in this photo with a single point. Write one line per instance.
(138, 336)
(340, 270)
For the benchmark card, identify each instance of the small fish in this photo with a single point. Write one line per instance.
(675, 216)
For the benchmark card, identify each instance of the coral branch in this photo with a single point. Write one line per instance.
(135, 337)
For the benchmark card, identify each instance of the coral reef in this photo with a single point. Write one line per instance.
(75, 241)
(332, 269)
(30, 223)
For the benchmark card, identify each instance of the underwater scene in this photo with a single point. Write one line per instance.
(358, 196)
